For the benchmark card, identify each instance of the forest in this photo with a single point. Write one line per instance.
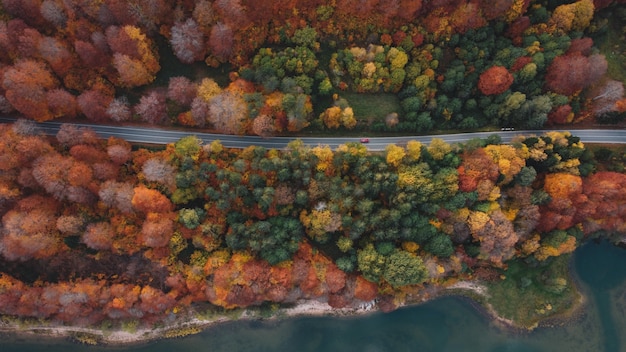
(98, 230)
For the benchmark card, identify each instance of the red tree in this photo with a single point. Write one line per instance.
(99, 236)
(157, 230)
(568, 74)
(188, 41)
(181, 90)
(57, 55)
(221, 41)
(150, 201)
(94, 104)
(90, 55)
(152, 108)
(495, 80)
(61, 103)
(26, 84)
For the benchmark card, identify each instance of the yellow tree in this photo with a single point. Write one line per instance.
(395, 155)
(414, 150)
(438, 148)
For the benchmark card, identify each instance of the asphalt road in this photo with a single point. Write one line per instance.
(154, 135)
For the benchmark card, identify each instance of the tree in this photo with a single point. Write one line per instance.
(61, 103)
(495, 80)
(438, 148)
(99, 236)
(132, 72)
(94, 104)
(228, 113)
(54, 13)
(26, 84)
(159, 170)
(568, 74)
(70, 135)
(181, 90)
(264, 126)
(57, 55)
(403, 268)
(575, 16)
(91, 55)
(221, 41)
(395, 155)
(150, 201)
(606, 96)
(29, 229)
(152, 108)
(119, 109)
(118, 195)
(187, 40)
(157, 230)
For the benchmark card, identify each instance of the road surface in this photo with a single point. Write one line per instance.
(154, 135)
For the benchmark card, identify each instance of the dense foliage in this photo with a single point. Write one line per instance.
(97, 230)
(94, 229)
(453, 64)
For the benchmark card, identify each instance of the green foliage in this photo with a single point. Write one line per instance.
(531, 292)
(526, 176)
(403, 268)
(191, 218)
(440, 246)
(306, 36)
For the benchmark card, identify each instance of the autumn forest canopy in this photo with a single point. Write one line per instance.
(97, 230)
(451, 64)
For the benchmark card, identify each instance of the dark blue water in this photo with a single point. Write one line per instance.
(446, 324)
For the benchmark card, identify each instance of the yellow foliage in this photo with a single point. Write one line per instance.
(463, 214)
(319, 222)
(575, 16)
(510, 214)
(216, 260)
(410, 246)
(325, 157)
(414, 150)
(514, 11)
(440, 269)
(435, 222)
(208, 89)
(216, 146)
(548, 251)
(494, 194)
(569, 166)
(477, 220)
(358, 53)
(397, 58)
(347, 118)
(438, 148)
(531, 245)
(332, 117)
(534, 48)
(368, 70)
(508, 158)
(395, 155)
(558, 138)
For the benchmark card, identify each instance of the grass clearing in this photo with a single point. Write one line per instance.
(372, 107)
(531, 293)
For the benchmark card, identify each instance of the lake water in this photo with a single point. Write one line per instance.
(446, 324)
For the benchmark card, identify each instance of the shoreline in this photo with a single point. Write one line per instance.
(464, 290)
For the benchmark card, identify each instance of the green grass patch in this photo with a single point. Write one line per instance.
(372, 107)
(530, 293)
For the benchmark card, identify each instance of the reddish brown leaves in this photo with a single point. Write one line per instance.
(495, 80)
(150, 201)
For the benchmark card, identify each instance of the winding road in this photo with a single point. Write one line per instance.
(154, 135)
